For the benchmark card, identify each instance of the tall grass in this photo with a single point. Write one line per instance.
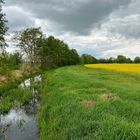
(64, 116)
(14, 97)
(11, 95)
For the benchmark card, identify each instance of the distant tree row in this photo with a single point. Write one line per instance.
(89, 59)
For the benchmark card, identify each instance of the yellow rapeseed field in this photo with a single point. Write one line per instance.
(133, 68)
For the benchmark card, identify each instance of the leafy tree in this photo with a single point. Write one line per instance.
(87, 59)
(123, 59)
(111, 60)
(102, 60)
(27, 41)
(3, 28)
(73, 57)
(54, 52)
(137, 59)
(17, 58)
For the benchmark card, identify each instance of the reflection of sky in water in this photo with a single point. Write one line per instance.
(19, 126)
(14, 116)
(27, 82)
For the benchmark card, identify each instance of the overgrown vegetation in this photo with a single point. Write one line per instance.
(14, 97)
(3, 28)
(80, 103)
(10, 61)
(10, 94)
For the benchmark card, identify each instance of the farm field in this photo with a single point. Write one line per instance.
(129, 68)
(78, 103)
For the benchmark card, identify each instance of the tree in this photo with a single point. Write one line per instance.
(87, 59)
(123, 59)
(3, 28)
(54, 53)
(17, 58)
(111, 60)
(73, 57)
(102, 60)
(27, 41)
(137, 59)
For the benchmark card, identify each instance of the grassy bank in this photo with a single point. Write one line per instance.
(11, 95)
(78, 103)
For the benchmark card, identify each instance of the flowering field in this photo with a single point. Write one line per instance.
(132, 68)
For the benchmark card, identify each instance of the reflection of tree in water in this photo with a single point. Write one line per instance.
(20, 124)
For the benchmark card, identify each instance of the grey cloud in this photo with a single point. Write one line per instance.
(125, 21)
(128, 30)
(119, 22)
(17, 19)
(76, 16)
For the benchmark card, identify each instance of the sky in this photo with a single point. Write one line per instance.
(102, 28)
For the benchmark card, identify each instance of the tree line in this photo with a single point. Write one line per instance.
(89, 59)
(46, 52)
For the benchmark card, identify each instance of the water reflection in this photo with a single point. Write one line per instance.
(20, 123)
(30, 81)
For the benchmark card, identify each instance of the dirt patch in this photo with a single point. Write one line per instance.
(2, 78)
(88, 103)
(17, 74)
(109, 96)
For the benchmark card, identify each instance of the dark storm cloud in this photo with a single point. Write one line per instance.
(78, 16)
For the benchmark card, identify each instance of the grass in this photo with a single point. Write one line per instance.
(7, 73)
(78, 103)
(11, 95)
(129, 68)
(13, 98)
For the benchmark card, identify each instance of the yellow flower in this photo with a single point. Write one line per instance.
(132, 68)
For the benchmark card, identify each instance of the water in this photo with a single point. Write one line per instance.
(30, 81)
(20, 123)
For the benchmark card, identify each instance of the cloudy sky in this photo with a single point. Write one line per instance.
(103, 28)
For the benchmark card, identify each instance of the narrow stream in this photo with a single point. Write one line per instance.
(20, 123)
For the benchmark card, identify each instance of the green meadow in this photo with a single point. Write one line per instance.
(78, 103)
